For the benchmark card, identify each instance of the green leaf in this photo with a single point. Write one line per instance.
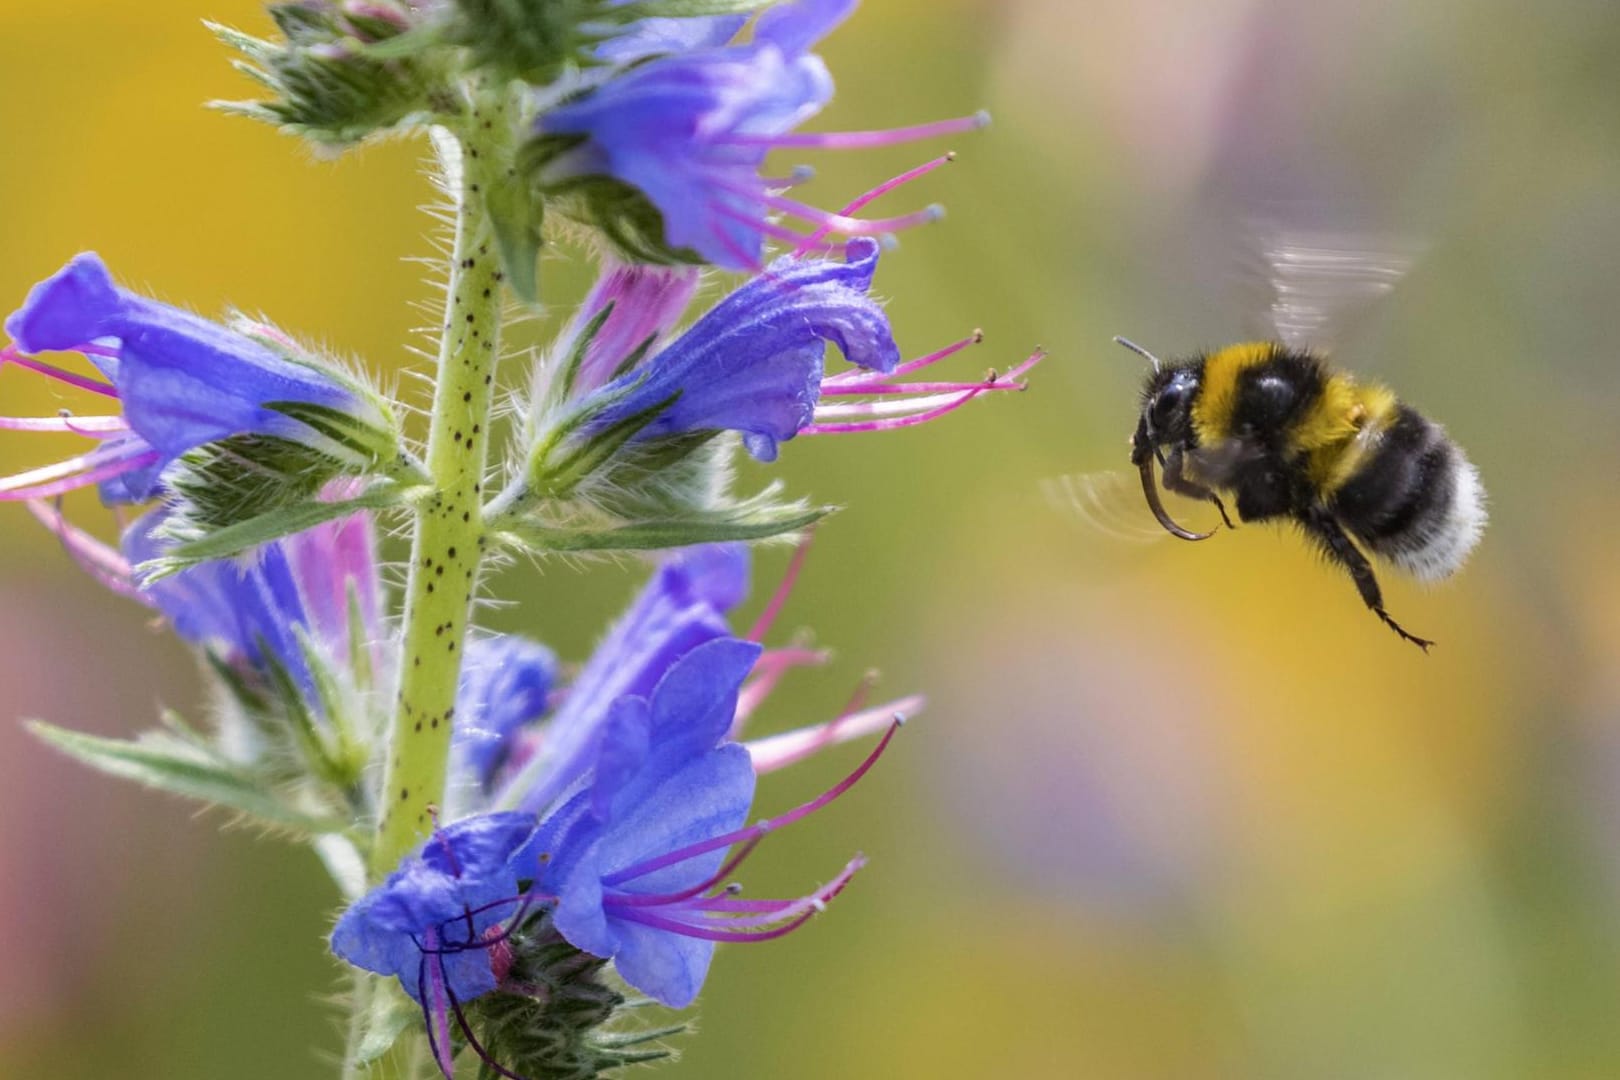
(243, 535)
(171, 762)
(674, 532)
(516, 211)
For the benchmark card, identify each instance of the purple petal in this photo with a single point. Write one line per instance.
(680, 608)
(706, 797)
(505, 687)
(755, 361)
(657, 36)
(667, 967)
(67, 310)
(795, 26)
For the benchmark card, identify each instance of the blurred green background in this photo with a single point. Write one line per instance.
(1174, 811)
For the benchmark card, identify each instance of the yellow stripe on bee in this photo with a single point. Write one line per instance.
(1218, 389)
(1339, 432)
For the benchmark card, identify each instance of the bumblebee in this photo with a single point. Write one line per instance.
(1274, 427)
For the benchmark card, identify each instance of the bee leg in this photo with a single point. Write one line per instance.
(1325, 529)
(1173, 479)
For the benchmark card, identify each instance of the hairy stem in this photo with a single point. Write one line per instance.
(448, 540)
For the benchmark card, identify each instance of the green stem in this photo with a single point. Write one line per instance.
(449, 530)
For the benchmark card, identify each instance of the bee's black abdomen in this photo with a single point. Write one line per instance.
(1416, 500)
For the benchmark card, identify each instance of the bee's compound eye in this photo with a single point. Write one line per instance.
(1169, 403)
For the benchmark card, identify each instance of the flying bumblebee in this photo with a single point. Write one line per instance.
(1273, 426)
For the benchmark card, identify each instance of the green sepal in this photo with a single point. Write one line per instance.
(326, 83)
(388, 1013)
(360, 643)
(180, 761)
(199, 546)
(367, 442)
(556, 477)
(241, 477)
(330, 757)
(532, 40)
(563, 388)
(573, 1028)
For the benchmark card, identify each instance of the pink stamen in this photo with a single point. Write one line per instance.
(768, 671)
(946, 404)
(862, 200)
(798, 912)
(778, 751)
(95, 386)
(851, 226)
(784, 589)
(1023, 368)
(692, 851)
(862, 140)
(101, 561)
(685, 929)
(749, 260)
(52, 480)
(800, 174)
(898, 406)
(435, 1006)
(768, 914)
(661, 899)
(769, 228)
(918, 389)
(90, 426)
(892, 423)
(857, 380)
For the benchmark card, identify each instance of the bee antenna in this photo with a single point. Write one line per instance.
(1137, 349)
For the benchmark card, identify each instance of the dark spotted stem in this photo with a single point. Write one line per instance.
(449, 534)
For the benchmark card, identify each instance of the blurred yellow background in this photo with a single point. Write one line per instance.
(1174, 811)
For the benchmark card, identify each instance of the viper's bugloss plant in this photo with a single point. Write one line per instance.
(526, 846)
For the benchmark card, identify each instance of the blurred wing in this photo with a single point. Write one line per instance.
(1105, 503)
(1218, 464)
(1110, 505)
(1312, 284)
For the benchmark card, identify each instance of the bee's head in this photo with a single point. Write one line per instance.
(1166, 418)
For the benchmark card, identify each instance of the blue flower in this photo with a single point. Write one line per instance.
(691, 130)
(505, 685)
(754, 362)
(636, 858)
(438, 922)
(180, 380)
(681, 608)
(250, 612)
(664, 779)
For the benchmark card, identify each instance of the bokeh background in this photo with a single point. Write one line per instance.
(1175, 811)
